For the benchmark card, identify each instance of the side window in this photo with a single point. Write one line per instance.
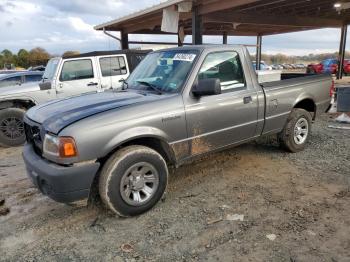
(225, 66)
(76, 70)
(113, 66)
(33, 78)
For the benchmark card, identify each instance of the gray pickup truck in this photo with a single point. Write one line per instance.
(178, 104)
(63, 77)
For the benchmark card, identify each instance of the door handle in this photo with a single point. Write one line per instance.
(92, 84)
(247, 100)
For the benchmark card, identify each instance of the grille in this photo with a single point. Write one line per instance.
(33, 136)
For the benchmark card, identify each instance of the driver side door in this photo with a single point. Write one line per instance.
(224, 119)
(77, 76)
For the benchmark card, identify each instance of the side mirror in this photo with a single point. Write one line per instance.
(45, 85)
(207, 87)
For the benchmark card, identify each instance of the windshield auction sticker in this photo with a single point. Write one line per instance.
(184, 57)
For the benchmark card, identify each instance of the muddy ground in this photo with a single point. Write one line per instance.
(302, 200)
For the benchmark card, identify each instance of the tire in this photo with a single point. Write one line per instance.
(12, 127)
(124, 174)
(295, 142)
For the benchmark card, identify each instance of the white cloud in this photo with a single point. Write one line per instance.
(60, 25)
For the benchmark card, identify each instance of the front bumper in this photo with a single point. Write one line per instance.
(61, 183)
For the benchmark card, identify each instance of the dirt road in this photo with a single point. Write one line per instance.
(295, 207)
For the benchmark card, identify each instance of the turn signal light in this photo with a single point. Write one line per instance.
(67, 147)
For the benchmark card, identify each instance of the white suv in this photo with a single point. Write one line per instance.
(64, 77)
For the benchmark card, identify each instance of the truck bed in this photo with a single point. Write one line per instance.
(282, 96)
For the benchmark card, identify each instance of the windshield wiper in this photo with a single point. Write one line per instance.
(159, 92)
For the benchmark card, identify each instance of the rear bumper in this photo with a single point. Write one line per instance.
(61, 183)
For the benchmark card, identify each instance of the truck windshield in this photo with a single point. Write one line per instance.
(165, 71)
(50, 69)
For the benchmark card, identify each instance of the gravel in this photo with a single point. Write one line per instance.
(302, 199)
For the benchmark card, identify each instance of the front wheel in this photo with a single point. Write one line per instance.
(296, 131)
(12, 127)
(133, 180)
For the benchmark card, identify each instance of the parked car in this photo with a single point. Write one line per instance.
(277, 67)
(178, 104)
(300, 66)
(314, 68)
(263, 65)
(19, 78)
(287, 66)
(326, 66)
(63, 77)
(330, 66)
(347, 67)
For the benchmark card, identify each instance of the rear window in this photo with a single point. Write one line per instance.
(113, 66)
(76, 70)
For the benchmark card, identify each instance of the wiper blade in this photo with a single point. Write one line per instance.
(160, 92)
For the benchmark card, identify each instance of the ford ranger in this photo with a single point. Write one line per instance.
(63, 77)
(178, 104)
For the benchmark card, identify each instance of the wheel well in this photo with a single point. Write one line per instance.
(17, 103)
(156, 144)
(308, 105)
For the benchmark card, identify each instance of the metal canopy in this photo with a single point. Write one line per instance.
(238, 17)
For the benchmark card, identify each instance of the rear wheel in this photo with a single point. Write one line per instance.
(11, 127)
(133, 180)
(296, 131)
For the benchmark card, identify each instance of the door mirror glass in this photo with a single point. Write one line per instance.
(207, 87)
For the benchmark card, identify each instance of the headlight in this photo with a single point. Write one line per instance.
(62, 147)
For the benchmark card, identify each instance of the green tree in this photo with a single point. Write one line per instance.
(1, 61)
(23, 58)
(7, 56)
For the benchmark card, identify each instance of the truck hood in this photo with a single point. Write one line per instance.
(57, 114)
(18, 89)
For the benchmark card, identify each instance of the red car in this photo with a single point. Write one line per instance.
(328, 66)
(314, 69)
(347, 67)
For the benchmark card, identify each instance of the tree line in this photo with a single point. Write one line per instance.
(25, 59)
(39, 56)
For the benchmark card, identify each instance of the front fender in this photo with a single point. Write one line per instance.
(136, 133)
(8, 101)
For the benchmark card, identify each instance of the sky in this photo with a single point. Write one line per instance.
(61, 25)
